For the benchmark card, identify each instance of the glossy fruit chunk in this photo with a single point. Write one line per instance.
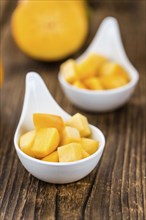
(89, 66)
(113, 69)
(69, 135)
(46, 141)
(84, 153)
(93, 83)
(81, 123)
(48, 121)
(79, 84)
(112, 75)
(69, 70)
(53, 157)
(26, 142)
(113, 82)
(49, 30)
(89, 145)
(70, 152)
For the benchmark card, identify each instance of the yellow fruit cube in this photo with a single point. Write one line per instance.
(69, 69)
(89, 145)
(112, 68)
(112, 82)
(84, 153)
(26, 142)
(69, 135)
(79, 84)
(53, 157)
(81, 123)
(93, 83)
(89, 66)
(47, 120)
(70, 152)
(46, 141)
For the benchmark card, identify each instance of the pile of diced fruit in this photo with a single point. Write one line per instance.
(54, 140)
(96, 72)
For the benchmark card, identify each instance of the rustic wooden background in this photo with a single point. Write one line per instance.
(116, 188)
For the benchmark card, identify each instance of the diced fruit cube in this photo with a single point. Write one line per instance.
(89, 145)
(112, 82)
(46, 141)
(93, 83)
(79, 84)
(81, 123)
(48, 120)
(84, 153)
(68, 70)
(26, 142)
(89, 66)
(114, 69)
(53, 157)
(69, 135)
(70, 152)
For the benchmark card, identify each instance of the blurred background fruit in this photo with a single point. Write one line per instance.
(50, 30)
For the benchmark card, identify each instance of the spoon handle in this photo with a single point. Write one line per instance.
(107, 41)
(38, 99)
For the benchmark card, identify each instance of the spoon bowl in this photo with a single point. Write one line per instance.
(38, 99)
(107, 42)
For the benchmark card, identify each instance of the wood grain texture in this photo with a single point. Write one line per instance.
(116, 189)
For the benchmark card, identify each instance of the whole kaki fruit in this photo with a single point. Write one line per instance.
(50, 30)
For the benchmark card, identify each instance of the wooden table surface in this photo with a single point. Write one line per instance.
(115, 189)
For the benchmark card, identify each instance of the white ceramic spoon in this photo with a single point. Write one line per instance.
(38, 99)
(107, 42)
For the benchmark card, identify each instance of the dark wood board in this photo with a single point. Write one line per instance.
(115, 189)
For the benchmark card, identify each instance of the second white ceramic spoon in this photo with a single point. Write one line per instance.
(107, 42)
